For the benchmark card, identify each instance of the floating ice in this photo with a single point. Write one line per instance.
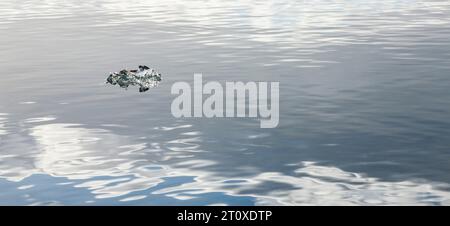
(144, 77)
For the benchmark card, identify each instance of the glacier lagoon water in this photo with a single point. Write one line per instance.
(364, 103)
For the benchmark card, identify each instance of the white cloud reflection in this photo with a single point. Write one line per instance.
(85, 155)
(109, 164)
(3, 120)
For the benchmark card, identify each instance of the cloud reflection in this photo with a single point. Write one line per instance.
(3, 120)
(110, 165)
(131, 162)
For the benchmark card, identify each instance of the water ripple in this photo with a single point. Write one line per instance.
(363, 118)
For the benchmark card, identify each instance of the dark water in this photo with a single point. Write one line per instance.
(364, 103)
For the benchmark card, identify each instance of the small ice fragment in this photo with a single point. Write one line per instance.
(144, 77)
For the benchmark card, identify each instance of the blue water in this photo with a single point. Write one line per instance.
(364, 103)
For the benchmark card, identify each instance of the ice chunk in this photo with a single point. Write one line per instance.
(144, 77)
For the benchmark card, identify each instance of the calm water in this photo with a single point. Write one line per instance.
(364, 98)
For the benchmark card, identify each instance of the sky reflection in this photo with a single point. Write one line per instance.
(364, 112)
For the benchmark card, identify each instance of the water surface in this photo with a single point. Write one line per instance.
(364, 98)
